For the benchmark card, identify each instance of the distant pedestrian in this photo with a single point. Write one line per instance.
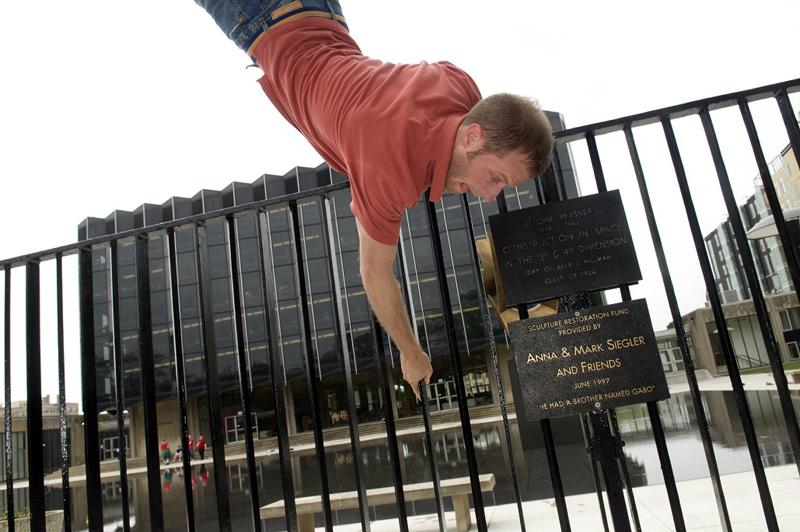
(201, 447)
(166, 454)
(190, 448)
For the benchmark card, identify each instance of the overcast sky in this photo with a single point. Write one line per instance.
(106, 105)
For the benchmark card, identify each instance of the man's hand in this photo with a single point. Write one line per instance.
(416, 367)
(386, 300)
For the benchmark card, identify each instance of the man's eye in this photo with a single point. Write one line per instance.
(495, 179)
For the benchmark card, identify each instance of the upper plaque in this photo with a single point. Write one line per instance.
(560, 248)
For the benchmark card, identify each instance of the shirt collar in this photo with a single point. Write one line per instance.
(443, 153)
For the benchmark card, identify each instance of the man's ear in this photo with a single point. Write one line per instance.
(473, 137)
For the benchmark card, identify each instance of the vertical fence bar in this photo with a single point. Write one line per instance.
(426, 416)
(663, 455)
(266, 267)
(64, 438)
(597, 167)
(598, 488)
(789, 120)
(559, 175)
(245, 386)
(789, 247)
(119, 388)
(625, 291)
(486, 313)
(435, 478)
(725, 340)
(341, 347)
(180, 372)
(540, 193)
(94, 500)
(623, 463)
(461, 393)
(549, 183)
(391, 432)
(212, 378)
(7, 411)
(34, 379)
(688, 362)
(666, 467)
(547, 432)
(600, 180)
(555, 473)
(147, 367)
(313, 379)
(770, 341)
(606, 448)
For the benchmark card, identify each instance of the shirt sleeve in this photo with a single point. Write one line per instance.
(380, 215)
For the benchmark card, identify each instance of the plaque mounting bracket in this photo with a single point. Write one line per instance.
(604, 445)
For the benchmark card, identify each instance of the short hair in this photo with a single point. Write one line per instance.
(515, 123)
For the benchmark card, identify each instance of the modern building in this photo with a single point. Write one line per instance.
(773, 273)
(745, 333)
(417, 268)
(51, 439)
(771, 266)
(786, 176)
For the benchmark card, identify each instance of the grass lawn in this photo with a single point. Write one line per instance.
(768, 369)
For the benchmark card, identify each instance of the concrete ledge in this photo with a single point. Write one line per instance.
(458, 489)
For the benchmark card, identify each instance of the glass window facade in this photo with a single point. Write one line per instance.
(790, 323)
(726, 261)
(671, 357)
(19, 462)
(748, 344)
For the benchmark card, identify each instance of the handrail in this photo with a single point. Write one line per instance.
(70, 249)
(677, 111)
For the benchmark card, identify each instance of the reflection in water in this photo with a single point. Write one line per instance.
(686, 448)
(677, 416)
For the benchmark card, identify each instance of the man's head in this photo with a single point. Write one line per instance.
(503, 140)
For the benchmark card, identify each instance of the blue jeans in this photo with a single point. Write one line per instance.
(244, 20)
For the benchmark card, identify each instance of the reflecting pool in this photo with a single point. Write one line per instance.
(677, 415)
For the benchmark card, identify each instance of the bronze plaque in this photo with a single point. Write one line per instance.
(560, 248)
(594, 359)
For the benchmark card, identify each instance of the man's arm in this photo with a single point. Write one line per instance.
(383, 292)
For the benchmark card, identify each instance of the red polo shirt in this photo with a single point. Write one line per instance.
(390, 128)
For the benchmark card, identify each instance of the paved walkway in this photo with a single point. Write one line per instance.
(697, 501)
(758, 381)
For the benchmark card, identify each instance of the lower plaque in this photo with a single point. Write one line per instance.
(594, 359)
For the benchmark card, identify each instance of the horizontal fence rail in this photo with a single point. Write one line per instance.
(251, 317)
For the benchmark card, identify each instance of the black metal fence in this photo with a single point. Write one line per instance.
(260, 254)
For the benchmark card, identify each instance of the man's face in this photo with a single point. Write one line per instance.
(486, 174)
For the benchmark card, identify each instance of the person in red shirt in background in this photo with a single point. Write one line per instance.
(201, 446)
(395, 130)
(166, 454)
(191, 447)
